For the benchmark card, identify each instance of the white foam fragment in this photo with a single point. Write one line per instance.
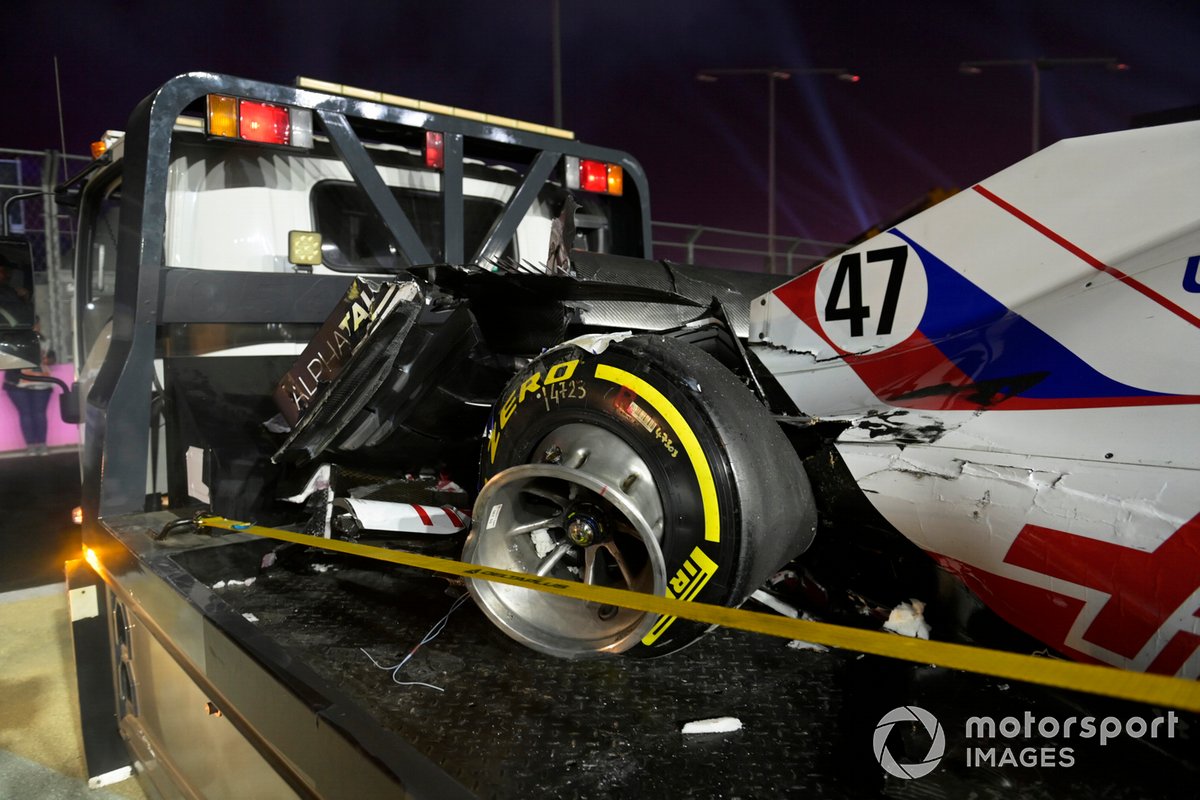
(320, 567)
(774, 603)
(908, 620)
(714, 725)
(543, 542)
(797, 644)
(219, 585)
(250, 617)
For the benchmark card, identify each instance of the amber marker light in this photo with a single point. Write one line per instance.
(616, 180)
(93, 560)
(222, 116)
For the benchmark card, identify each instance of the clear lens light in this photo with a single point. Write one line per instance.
(571, 168)
(302, 127)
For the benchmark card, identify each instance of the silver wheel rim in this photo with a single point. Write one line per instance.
(588, 511)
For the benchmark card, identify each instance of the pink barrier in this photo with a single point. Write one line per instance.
(57, 431)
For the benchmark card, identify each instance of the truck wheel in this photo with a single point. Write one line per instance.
(638, 463)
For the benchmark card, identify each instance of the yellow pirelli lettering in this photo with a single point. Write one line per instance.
(530, 386)
(691, 445)
(691, 578)
(561, 371)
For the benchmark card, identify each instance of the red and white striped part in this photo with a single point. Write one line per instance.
(380, 515)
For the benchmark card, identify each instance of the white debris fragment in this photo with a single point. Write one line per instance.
(233, 582)
(543, 542)
(219, 585)
(321, 568)
(268, 560)
(1003, 687)
(798, 644)
(250, 617)
(595, 343)
(715, 725)
(774, 603)
(908, 620)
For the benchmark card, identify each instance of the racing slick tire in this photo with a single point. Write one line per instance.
(637, 462)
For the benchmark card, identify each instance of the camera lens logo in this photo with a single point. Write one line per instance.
(937, 745)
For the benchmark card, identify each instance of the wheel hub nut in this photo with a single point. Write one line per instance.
(582, 530)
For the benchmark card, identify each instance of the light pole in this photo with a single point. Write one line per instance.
(1036, 65)
(772, 75)
(556, 57)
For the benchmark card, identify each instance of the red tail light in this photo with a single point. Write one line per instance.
(593, 175)
(262, 122)
(435, 153)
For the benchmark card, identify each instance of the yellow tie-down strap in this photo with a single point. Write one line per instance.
(1158, 690)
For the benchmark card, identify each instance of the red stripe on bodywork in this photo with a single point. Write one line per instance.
(1089, 259)
(422, 513)
(1143, 590)
(454, 518)
(1045, 615)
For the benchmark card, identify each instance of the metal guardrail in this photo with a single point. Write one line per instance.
(743, 250)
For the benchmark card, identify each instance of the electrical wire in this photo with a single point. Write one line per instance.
(433, 633)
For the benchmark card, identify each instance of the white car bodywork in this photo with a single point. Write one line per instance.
(1023, 393)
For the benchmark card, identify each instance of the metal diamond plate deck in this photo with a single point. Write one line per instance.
(513, 723)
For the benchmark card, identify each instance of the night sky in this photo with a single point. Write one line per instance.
(849, 154)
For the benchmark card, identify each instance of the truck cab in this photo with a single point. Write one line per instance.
(260, 203)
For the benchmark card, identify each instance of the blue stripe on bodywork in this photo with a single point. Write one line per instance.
(990, 342)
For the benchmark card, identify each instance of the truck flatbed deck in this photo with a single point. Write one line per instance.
(514, 723)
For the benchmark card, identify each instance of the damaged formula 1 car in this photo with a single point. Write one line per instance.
(618, 459)
(993, 401)
(956, 370)
(960, 370)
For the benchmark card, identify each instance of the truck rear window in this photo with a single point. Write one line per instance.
(354, 238)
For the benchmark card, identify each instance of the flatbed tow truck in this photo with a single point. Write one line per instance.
(217, 663)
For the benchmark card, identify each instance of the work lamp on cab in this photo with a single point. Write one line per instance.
(255, 121)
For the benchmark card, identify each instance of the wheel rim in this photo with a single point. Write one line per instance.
(587, 511)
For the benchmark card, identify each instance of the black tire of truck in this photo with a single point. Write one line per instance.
(653, 423)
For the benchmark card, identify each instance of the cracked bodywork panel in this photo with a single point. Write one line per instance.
(1018, 378)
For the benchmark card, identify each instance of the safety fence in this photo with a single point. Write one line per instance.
(27, 181)
(741, 250)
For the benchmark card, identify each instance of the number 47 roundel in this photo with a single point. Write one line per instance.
(872, 299)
